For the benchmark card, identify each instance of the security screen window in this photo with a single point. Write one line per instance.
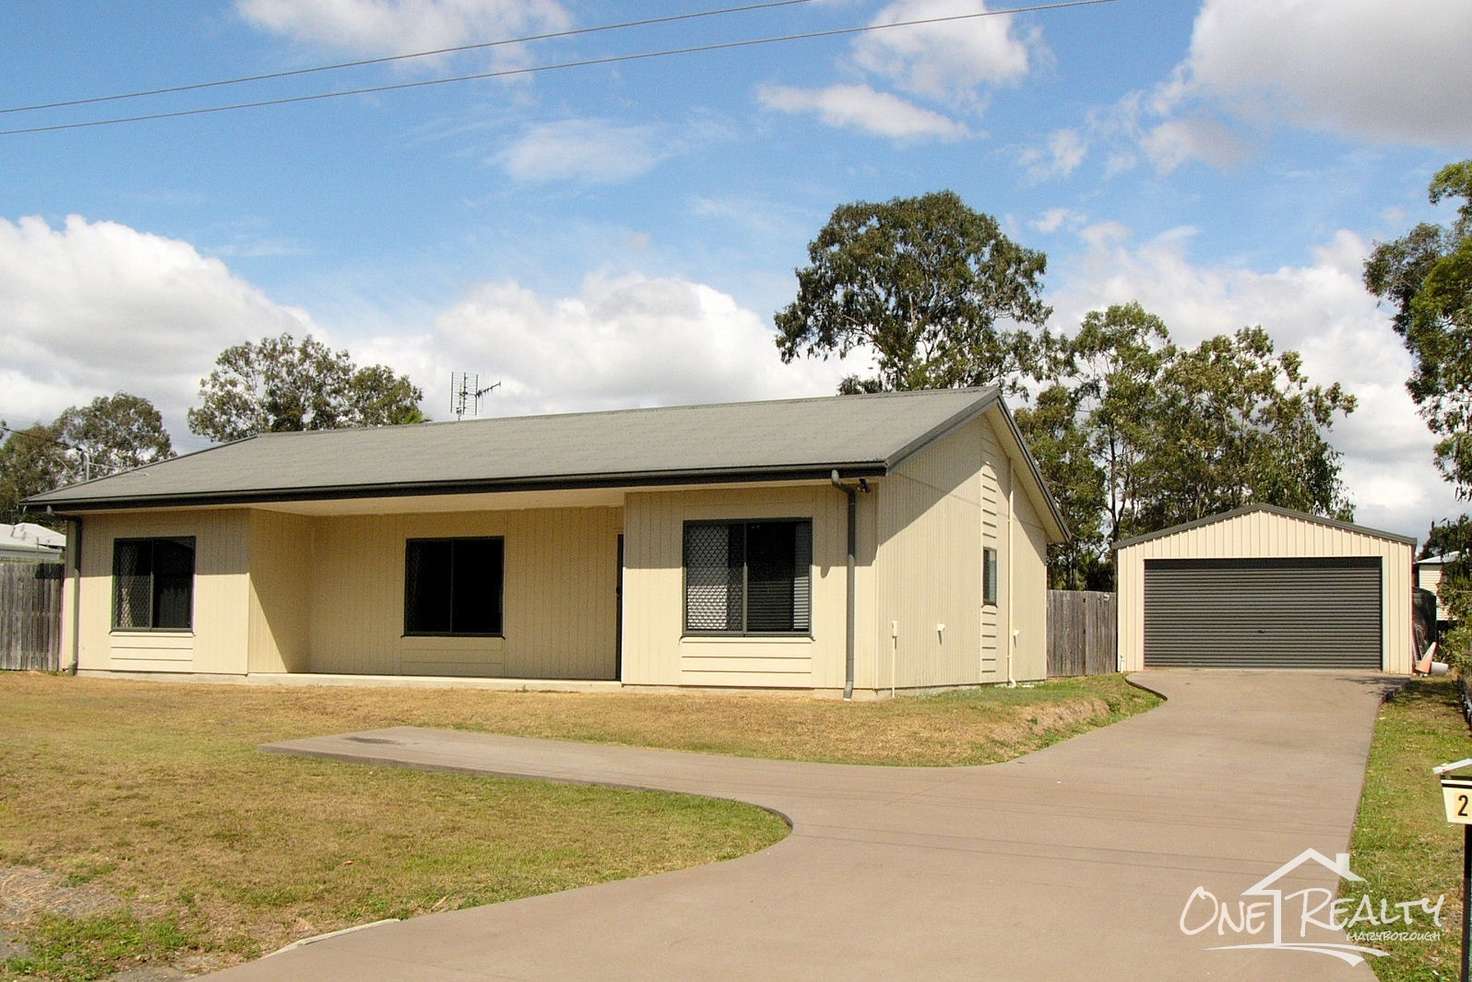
(749, 577)
(153, 584)
(454, 586)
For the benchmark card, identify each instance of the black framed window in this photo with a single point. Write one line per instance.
(454, 586)
(988, 575)
(748, 577)
(153, 584)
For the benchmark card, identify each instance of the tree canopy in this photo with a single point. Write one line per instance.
(1160, 434)
(1132, 432)
(281, 384)
(1425, 276)
(31, 461)
(115, 433)
(925, 284)
(109, 434)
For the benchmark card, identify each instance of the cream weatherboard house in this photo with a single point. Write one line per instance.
(851, 543)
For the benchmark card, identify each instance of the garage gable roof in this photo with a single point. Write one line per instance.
(789, 439)
(1270, 509)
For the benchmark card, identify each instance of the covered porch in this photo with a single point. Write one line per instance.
(514, 586)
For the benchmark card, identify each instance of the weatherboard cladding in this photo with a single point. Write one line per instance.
(758, 439)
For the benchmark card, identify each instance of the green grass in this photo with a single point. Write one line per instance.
(1403, 845)
(81, 948)
(156, 796)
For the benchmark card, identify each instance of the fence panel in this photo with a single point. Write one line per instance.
(30, 615)
(1081, 633)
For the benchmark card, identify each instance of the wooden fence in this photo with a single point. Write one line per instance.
(1081, 633)
(30, 615)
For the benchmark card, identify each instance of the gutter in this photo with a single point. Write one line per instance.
(852, 493)
(573, 482)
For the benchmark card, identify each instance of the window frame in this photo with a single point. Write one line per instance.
(452, 633)
(688, 632)
(990, 568)
(117, 628)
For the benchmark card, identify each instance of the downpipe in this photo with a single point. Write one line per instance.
(852, 493)
(74, 546)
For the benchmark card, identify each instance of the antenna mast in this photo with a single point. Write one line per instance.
(466, 393)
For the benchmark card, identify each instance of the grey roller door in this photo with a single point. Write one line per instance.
(1262, 613)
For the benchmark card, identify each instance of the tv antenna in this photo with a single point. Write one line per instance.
(466, 393)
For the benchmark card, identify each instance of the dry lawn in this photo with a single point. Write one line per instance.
(154, 798)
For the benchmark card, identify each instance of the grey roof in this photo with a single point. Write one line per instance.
(1441, 560)
(27, 542)
(1271, 509)
(859, 435)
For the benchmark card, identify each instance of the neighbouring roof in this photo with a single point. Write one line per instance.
(29, 542)
(1441, 560)
(790, 439)
(1270, 509)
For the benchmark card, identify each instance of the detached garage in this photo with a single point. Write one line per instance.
(1265, 587)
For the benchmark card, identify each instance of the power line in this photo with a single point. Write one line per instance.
(534, 69)
(31, 432)
(289, 73)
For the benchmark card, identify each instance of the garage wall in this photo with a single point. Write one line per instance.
(1265, 535)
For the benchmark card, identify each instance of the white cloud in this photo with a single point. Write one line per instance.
(379, 27)
(1056, 218)
(1320, 309)
(947, 61)
(1179, 141)
(1101, 235)
(1060, 156)
(587, 150)
(860, 107)
(620, 341)
(1383, 71)
(95, 307)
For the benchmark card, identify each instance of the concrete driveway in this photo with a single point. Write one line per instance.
(1072, 862)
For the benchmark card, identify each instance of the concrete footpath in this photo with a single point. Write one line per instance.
(1073, 862)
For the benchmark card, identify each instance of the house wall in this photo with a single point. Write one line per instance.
(281, 592)
(281, 563)
(996, 479)
(218, 641)
(1030, 592)
(1264, 535)
(655, 650)
(559, 603)
(936, 513)
(929, 564)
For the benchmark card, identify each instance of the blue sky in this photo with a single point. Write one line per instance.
(621, 235)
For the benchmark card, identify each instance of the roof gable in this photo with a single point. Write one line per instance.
(1261, 508)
